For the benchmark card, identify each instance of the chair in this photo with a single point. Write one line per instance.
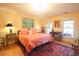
(2, 42)
(77, 49)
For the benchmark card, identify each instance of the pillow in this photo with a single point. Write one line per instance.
(24, 32)
(33, 31)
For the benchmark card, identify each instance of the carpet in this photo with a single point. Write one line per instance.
(52, 49)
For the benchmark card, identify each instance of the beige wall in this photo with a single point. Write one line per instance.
(16, 19)
(75, 16)
(61, 18)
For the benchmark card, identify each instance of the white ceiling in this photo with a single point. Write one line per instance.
(53, 8)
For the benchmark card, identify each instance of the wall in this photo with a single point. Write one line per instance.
(44, 21)
(13, 17)
(60, 18)
(75, 16)
(6, 17)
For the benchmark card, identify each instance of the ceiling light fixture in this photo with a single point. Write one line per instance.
(39, 8)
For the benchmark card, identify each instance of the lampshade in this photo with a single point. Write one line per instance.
(9, 25)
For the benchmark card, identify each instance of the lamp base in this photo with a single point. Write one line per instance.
(10, 30)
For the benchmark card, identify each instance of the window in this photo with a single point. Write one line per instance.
(68, 28)
(49, 27)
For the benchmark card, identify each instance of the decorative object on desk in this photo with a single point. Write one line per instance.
(10, 27)
(57, 24)
(43, 29)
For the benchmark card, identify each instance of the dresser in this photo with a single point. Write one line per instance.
(11, 38)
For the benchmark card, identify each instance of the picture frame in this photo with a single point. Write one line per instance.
(27, 22)
(57, 23)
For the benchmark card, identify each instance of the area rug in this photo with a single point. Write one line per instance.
(52, 49)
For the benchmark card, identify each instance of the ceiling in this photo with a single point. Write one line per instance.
(53, 8)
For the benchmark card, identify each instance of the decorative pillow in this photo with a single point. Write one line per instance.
(24, 32)
(33, 31)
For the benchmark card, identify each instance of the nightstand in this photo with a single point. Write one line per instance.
(11, 38)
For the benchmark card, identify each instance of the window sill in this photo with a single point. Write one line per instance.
(69, 37)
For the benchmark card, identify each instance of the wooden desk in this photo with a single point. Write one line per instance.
(57, 35)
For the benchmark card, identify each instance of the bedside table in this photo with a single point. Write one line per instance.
(11, 38)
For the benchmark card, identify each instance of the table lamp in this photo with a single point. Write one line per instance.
(10, 26)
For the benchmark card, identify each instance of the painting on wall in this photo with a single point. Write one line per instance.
(57, 23)
(27, 22)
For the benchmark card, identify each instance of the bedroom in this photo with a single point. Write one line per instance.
(52, 31)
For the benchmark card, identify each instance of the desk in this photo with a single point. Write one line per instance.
(57, 35)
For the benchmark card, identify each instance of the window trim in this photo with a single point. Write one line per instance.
(50, 21)
(68, 19)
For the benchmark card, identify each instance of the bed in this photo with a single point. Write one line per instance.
(32, 39)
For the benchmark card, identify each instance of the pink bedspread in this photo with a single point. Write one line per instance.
(34, 40)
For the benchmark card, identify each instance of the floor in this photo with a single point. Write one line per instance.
(52, 49)
(15, 50)
(11, 50)
(64, 43)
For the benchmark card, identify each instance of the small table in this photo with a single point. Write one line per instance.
(11, 38)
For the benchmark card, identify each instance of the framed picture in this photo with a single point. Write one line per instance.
(27, 22)
(57, 23)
